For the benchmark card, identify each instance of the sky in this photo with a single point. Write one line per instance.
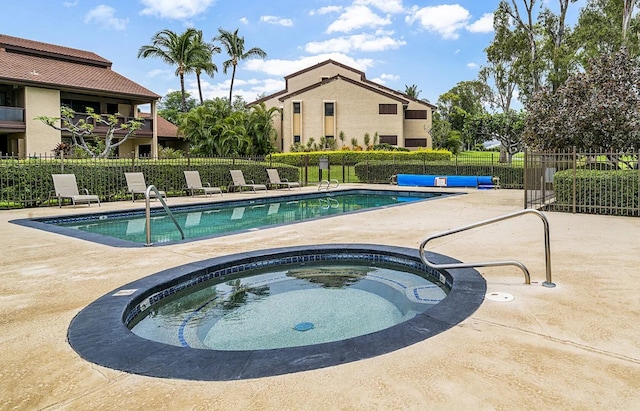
(433, 44)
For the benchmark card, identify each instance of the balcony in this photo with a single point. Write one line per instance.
(145, 131)
(12, 119)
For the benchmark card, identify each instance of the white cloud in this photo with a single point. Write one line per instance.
(387, 6)
(356, 42)
(356, 17)
(444, 20)
(244, 20)
(171, 9)
(70, 3)
(482, 25)
(384, 77)
(247, 89)
(104, 16)
(472, 66)
(277, 20)
(277, 67)
(326, 10)
(160, 74)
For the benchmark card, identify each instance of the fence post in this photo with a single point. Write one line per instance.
(61, 161)
(524, 182)
(574, 180)
(343, 173)
(133, 161)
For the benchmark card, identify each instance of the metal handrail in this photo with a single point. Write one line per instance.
(527, 277)
(147, 196)
(328, 183)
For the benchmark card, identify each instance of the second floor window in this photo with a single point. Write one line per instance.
(328, 109)
(296, 107)
(388, 109)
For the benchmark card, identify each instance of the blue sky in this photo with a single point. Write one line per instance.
(431, 43)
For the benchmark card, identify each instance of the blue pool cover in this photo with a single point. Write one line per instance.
(422, 180)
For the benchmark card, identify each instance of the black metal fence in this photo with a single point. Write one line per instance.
(598, 182)
(28, 182)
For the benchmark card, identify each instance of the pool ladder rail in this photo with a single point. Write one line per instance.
(147, 196)
(547, 248)
(328, 184)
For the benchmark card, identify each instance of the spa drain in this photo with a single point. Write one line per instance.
(303, 326)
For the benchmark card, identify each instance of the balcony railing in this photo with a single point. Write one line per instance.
(11, 114)
(146, 130)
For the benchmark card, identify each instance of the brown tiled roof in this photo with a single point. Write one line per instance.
(45, 49)
(348, 80)
(45, 65)
(165, 127)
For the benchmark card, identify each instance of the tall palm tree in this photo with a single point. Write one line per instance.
(181, 50)
(412, 91)
(234, 47)
(204, 63)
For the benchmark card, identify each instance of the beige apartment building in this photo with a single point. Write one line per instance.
(37, 78)
(330, 98)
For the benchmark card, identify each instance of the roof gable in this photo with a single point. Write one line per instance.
(348, 80)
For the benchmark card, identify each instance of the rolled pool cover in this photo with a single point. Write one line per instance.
(421, 180)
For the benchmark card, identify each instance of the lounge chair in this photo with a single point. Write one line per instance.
(137, 185)
(195, 184)
(66, 187)
(239, 182)
(274, 178)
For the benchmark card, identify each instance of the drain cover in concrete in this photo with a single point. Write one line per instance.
(500, 297)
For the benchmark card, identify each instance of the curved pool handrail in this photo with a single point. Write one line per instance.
(328, 184)
(147, 195)
(527, 276)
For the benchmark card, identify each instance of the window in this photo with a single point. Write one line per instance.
(415, 114)
(393, 140)
(112, 108)
(296, 139)
(296, 107)
(144, 150)
(388, 109)
(415, 142)
(328, 109)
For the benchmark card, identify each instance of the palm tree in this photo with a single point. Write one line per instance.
(412, 91)
(204, 63)
(181, 50)
(234, 47)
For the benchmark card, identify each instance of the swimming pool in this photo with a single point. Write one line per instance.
(100, 333)
(128, 229)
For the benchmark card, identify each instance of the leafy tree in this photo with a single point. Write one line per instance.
(181, 50)
(412, 91)
(537, 43)
(597, 109)
(260, 129)
(83, 128)
(170, 106)
(504, 127)
(600, 29)
(465, 99)
(235, 49)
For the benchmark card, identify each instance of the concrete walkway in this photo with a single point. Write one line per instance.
(576, 346)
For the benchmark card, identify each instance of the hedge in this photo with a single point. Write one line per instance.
(598, 191)
(348, 157)
(28, 183)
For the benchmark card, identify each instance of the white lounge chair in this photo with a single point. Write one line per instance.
(274, 178)
(137, 185)
(238, 181)
(195, 184)
(65, 186)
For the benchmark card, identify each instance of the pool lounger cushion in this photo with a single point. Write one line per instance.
(421, 180)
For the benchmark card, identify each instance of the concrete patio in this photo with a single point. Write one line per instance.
(575, 346)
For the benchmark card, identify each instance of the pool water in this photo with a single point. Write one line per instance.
(289, 306)
(221, 218)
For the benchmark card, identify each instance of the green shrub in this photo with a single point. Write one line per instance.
(598, 191)
(348, 157)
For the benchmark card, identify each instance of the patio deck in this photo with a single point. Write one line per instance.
(576, 346)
